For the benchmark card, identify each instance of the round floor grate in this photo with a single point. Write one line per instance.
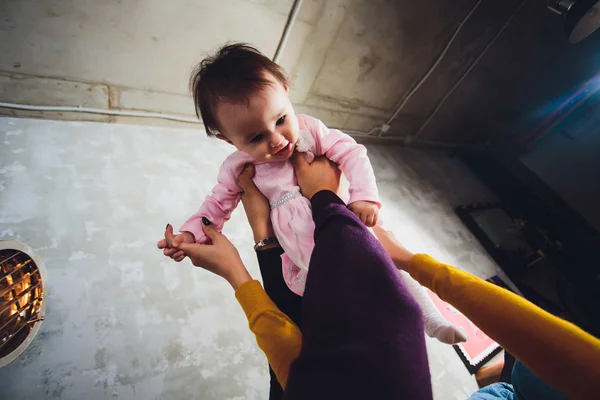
(22, 278)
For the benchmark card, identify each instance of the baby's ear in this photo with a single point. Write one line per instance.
(219, 136)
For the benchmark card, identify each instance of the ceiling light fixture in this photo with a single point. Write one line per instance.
(582, 17)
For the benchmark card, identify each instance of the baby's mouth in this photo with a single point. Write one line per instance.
(287, 149)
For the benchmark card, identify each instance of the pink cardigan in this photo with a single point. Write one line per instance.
(291, 213)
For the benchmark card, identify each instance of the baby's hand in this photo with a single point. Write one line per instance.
(365, 210)
(170, 243)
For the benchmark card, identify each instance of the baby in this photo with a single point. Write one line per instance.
(242, 98)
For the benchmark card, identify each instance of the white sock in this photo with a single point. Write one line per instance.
(436, 326)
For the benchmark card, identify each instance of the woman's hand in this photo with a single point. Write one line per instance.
(256, 206)
(321, 174)
(221, 257)
(400, 255)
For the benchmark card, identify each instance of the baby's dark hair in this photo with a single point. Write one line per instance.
(232, 74)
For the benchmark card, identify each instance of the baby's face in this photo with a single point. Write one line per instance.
(266, 128)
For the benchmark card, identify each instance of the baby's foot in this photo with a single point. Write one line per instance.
(448, 334)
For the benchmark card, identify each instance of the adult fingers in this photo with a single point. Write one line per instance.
(177, 240)
(379, 231)
(209, 229)
(384, 235)
(248, 171)
(246, 176)
(169, 251)
(299, 161)
(193, 250)
(336, 169)
(392, 235)
(179, 258)
(178, 254)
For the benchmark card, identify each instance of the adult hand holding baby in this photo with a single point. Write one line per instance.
(323, 174)
(220, 257)
(400, 255)
(256, 206)
(170, 243)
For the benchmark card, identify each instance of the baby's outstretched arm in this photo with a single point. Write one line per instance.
(217, 207)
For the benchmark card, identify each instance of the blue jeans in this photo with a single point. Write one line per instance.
(525, 386)
(495, 391)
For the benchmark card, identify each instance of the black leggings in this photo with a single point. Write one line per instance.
(288, 302)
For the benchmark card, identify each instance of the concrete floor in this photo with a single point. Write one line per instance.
(123, 321)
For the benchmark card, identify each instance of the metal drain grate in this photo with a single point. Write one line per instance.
(22, 275)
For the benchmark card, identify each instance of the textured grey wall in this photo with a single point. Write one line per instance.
(123, 321)
(351, 61)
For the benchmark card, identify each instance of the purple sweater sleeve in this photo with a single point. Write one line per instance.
(362, 331)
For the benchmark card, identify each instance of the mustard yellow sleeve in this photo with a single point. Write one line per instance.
(560, 353)
(277, 336)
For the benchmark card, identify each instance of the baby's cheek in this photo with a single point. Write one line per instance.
(294, 131)
(260, 153)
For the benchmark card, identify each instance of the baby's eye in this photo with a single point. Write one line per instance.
(257, 138)
(280, 120)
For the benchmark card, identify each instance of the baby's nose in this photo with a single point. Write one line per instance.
(276, 140)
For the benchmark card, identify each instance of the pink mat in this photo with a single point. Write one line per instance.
(478, 348)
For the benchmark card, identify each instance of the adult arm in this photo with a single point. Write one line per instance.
(258, 213)
(283, 341)
(557, 351)
(362, 331)
(276, 334)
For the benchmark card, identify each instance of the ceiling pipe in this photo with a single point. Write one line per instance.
(178, 118)
(88, 110)
(287, 30)
(462, 78)
(385, 127)
(401, 141)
